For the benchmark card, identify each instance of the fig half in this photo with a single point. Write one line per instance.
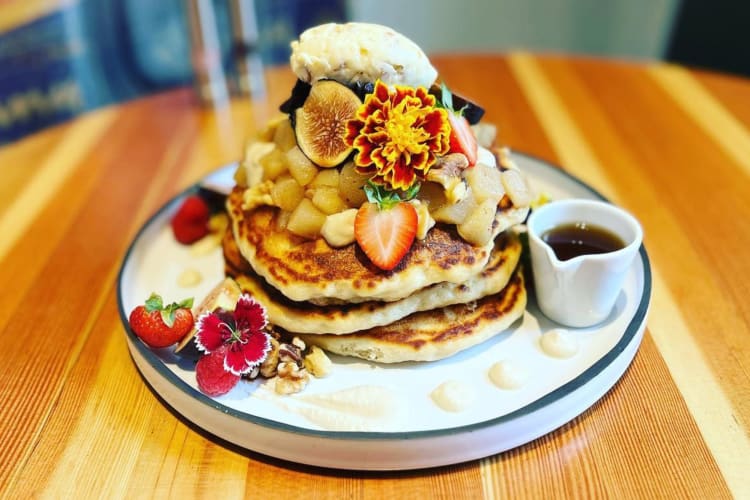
(320, 124)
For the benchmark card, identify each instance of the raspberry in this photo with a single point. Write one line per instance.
(213, 379)
(190, 223)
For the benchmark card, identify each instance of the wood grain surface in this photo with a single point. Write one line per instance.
(669, 144)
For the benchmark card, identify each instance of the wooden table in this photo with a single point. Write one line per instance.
(669, 144)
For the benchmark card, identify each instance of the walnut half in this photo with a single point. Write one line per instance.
(290, 378)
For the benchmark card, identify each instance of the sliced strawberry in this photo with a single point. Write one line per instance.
(462, 138)
(190, 223)
(385, 234)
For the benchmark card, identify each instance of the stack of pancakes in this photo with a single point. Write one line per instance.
(446, 294)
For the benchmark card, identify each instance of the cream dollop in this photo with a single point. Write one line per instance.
(189, 278)
(506, 374)
(361, 408)
(558, 343)
(453, 396)
(338, 229)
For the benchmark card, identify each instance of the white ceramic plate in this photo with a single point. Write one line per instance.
(416, 433)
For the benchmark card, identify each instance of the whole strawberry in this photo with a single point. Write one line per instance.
(190, 223)
(161, 326)
(213, 379)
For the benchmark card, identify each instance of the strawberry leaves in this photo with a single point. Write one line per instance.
(386, 226)
(385, 198)
(155, 303)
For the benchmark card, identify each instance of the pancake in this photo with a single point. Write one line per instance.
(305, 270)
(304, 317)
(432, 335)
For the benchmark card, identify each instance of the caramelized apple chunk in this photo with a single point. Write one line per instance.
(477, 227)
(300, 166)
(485, 183)
(306, 220)
(284, 136)
(287, 193)
(456, 213)
(350, 186)
(326, 198)
(274, 164)
(516, 187)
(326, 177)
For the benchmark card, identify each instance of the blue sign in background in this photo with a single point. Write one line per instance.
(95, 52)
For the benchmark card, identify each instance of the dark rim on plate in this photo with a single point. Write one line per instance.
(553, 396)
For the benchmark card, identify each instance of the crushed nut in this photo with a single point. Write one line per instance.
(447, 170)
(287, 362)
(290, 378)
(268, 366)
(189, 278)
(289, 354)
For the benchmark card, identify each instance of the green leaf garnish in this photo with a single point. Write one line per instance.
(446, 100)
(186, 303)
(411, 193)
(385, 198)
(167, 316)
(446, 96)
(155, 303)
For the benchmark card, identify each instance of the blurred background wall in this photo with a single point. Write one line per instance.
(632, 28)
(59, 58)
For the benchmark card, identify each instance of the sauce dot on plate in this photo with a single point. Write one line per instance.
(558, 343)
(453, 396)
(189, 278)
(507, 375)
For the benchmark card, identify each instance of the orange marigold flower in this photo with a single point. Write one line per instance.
(398, 134)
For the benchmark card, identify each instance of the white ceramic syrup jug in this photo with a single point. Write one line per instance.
(581, 291)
